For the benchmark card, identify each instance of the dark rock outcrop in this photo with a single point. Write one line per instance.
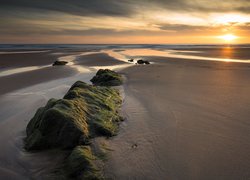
(131, 60)
(85, 111)
(70, 124)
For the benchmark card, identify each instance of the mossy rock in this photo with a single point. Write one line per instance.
(59, 63)
(106, 77)
(103, 103)
(85, 112)
(61, 123)
(80, 164)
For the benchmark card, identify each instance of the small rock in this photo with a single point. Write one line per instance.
(134, 146)
(140, 62)
(59, 63)
(143, 62)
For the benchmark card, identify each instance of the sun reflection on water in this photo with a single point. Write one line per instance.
(227, 53)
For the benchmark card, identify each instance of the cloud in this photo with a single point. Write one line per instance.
(31, 31)
(126, 7)
(244, 27)
(182, 27)
(75, 7)
(119, 17)
(205, 5)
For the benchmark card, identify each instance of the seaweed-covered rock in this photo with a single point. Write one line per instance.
(61, 123)
(106, 77)
(59, 63)
(85, 111)
(81, 163)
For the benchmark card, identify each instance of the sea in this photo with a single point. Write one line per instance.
(117, 46)
(214, 52)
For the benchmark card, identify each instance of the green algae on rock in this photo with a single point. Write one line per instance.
(106, 77)
(70, 124)
(85, 112)
(61, 123)
(81, 163)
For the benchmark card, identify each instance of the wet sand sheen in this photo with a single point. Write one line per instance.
(185, 119)
(225, 56)
(188, 121)
(22, 94)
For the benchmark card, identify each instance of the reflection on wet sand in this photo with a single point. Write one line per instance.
(19, 70)
(137, 53)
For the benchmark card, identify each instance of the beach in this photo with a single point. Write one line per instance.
(185, 118)
(189, 121)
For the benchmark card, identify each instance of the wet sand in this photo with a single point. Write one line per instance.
(21, 94)
(44, 71)
(100, 59)
(25, 79)
(26, 59)
(185, 120)
(223, 52)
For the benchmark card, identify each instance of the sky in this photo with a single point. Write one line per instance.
(125, 21)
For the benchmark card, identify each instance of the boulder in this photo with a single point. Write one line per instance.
(131, 60)
(85, 111)
(106, 77)
(80, 164)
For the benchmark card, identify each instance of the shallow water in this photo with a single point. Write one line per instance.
(17, 108)
(180, 54)
(22, 52)
(8, 72)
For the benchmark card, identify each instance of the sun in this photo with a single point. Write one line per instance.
(228, 37)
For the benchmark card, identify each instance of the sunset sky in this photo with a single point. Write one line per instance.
(125, 21)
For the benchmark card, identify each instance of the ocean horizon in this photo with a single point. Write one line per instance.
(116, 46)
